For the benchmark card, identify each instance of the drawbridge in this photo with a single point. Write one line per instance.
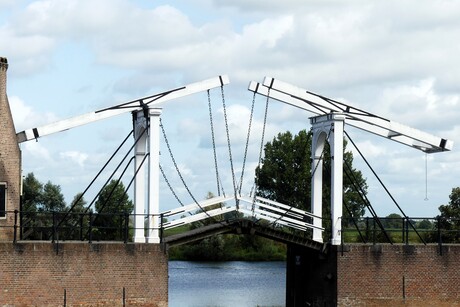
(238, 213)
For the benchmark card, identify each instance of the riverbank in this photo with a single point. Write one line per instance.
(230, 247)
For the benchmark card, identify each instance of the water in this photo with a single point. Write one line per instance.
(227, 284)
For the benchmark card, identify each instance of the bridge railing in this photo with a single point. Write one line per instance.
(52, 226)
(277, 213)
(411, 230)
(73, 226)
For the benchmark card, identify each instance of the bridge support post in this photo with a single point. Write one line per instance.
(330, 128)
(140, 135)
(318, 142)
(147, 134)
(154, 179)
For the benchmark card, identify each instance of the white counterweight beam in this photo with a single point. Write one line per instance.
(355, 117)
(62, 125)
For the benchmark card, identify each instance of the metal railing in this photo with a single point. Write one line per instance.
(62, 226)
(409, 230)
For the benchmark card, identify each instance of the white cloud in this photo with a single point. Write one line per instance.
(75, 156)
(25, 116)
(394, 59)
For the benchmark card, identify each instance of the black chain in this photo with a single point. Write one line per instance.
(180, 175)
(261, 147)
(170, 187)
(213, 143)
(247, 142)
(229, 147)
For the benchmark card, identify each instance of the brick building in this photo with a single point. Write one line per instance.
(10, 161)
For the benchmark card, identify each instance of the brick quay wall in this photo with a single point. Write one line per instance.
(398, 275)
(83, 274)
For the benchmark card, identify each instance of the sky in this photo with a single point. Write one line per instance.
(397, 59)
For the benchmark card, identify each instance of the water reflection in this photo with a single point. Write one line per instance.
(226, 284)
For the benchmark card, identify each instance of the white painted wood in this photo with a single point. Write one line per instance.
(90, 117)
(153, 224)
(202, 204)
(355, 117)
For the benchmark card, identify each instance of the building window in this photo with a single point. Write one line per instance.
(2, 199)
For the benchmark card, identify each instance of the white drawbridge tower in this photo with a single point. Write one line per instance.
(328, 126)
(146, 120)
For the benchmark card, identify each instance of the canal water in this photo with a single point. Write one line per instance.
(227, 284)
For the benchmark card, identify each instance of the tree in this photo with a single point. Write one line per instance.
(38, 203)
(112, 205)
(31, 193)
(52, 198)
(285, 175)
(31, 197)
(449, 219)
(75, 223)
(393, 221)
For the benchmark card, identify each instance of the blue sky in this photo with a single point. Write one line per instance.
(398, 60)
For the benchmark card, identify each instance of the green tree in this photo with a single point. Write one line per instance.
(449, 219)
(112, 205)
(52, 198)
(76, 222)
(31, 196)
(32, 190)
(393, 221)
(38, 203)
(285, 176)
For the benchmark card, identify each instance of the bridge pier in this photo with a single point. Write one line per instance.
(311, 277)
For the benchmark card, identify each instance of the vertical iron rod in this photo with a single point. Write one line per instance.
(126, 228)
(404, 287)
(90, 230)
(54, 227)
(439, 236)
(161, 228)
(124, 297)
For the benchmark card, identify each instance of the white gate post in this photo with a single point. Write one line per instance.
(140, 126)
(323, 127)
(337, 178)
(318, 140)
(154, 179)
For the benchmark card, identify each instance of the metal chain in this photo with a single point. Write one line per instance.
(247, 143)
(261, 147)
(213, 143)
(170, 187)
(180, 175)
(229, 147)
(174, 161)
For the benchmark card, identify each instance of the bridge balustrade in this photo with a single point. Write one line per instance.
(60, 226)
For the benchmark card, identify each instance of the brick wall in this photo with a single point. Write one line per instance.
(33, 274)
(398, 275)
(10, 156)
